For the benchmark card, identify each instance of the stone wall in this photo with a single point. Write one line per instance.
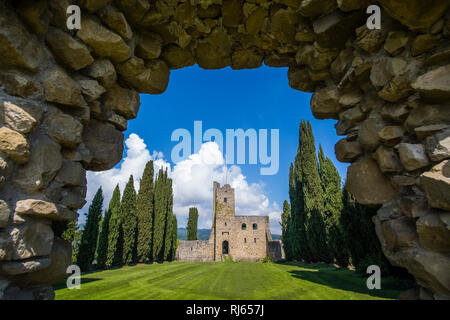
(248, 244)
(275, 250)
(195, 250)
(66, 97)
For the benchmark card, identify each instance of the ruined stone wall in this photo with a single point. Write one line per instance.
(244, 245)
(66, 97)
(275, 250)
(249, 244)
(195, 250)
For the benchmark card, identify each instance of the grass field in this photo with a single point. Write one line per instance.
(226, 280)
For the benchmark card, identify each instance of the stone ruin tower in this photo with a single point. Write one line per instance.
(240, 238)
(223, 218)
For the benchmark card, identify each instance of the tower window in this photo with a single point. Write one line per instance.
(255, 226)
(225, 224)
(244, 226)
(245, 240)
(254, 240)
(224, 199)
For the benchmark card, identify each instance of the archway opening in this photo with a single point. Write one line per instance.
(329, 51)
(225, 248)
(216, 99)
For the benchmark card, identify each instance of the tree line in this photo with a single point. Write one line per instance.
(137, 227)
(322, 222)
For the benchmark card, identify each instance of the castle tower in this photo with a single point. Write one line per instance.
(241, 238)
(223, 206)
(223, 218)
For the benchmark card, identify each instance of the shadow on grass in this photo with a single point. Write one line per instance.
(342, 279)
(63, 283)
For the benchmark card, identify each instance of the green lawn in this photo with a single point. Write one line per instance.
(226, 280)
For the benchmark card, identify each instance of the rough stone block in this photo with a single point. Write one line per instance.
(368, 184)
(14, 145)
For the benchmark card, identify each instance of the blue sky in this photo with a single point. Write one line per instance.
(231, 99)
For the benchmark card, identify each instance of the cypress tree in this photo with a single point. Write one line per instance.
(174, 237)
(313, 199)
(285, 217)
(192, 224)
(144, 210)
(89, 236)
(296, 242)
(68, 230)
(287, 236)
(338, 245)
(168, 232)
(359, 235)
(346, 218)
(65, 229)
(76, 244)
(129, 222)
(303, 251)
(332, 197)
(69, 233)
(168, 235)
(294, 226)
(102, 249)
(100, 224)
(159, 216)
(114, 249)
(324, 224)
(118, 258)
(350, 220)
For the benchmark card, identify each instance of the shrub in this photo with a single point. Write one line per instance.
(227, 258)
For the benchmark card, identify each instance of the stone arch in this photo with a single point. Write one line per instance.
(66, 96)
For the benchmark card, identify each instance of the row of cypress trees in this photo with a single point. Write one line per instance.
(136, 228)
(323, 223)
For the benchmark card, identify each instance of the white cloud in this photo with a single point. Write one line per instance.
(137, 155)
(192, 182)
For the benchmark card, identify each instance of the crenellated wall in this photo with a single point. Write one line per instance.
(66, 97)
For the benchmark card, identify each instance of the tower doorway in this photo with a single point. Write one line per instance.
(225, 247)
